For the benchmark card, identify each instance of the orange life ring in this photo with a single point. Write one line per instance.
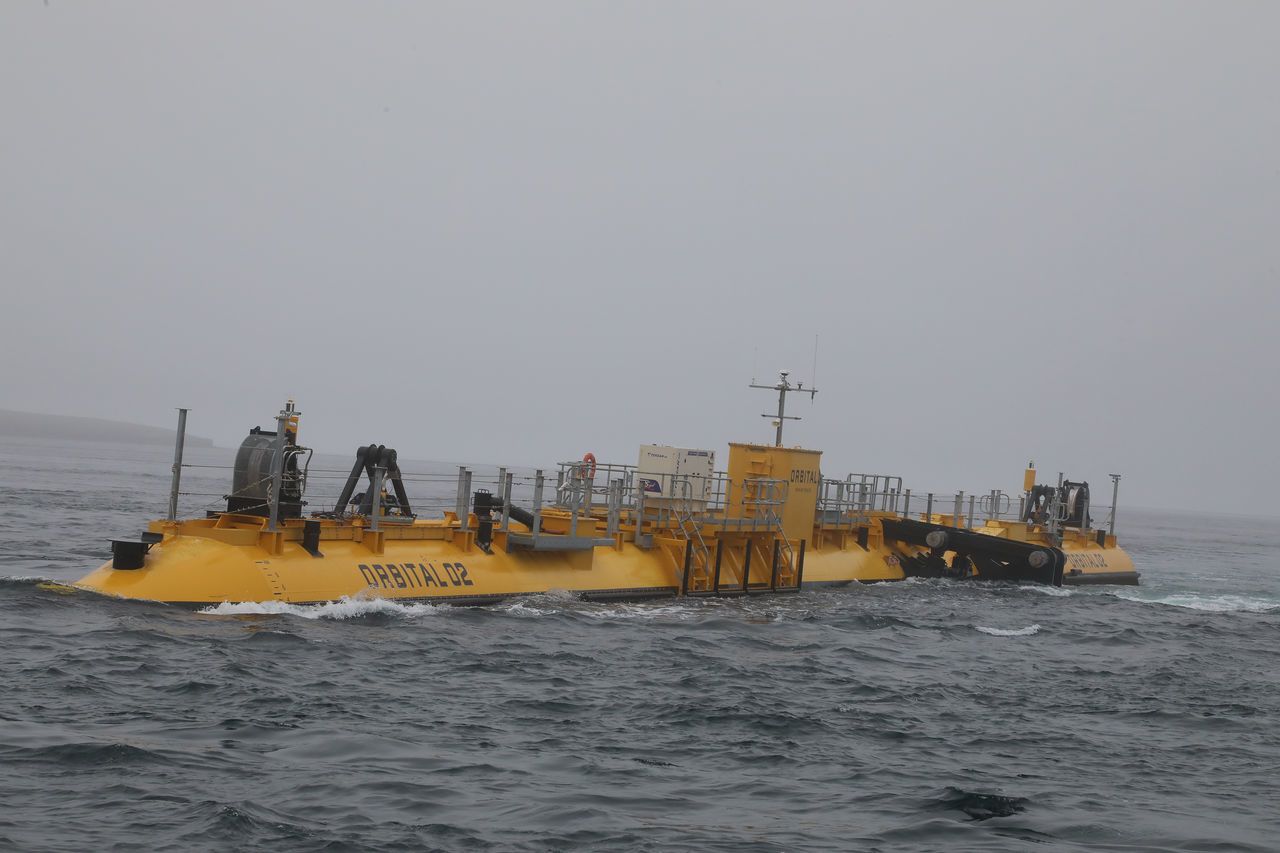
(588, 458)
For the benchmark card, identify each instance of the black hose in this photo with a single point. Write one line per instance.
(521, 515)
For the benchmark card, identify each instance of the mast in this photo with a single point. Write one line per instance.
(782, 388)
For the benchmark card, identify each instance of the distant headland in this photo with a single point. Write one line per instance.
(68, 427)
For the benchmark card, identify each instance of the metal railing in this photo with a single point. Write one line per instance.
(848, 502)
(680, 503)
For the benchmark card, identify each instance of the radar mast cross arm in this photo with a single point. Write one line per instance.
(782, 388)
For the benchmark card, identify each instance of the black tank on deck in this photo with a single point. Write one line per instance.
(251, 479)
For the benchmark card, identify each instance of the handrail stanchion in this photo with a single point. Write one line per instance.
(575, 502)
(1115, 494)
(959, 507)
(615, 506)
(1056, 511)
(178, 443)
(277, 470)
(465, 518)
(460, 497)
(971, 497)
(906, 504)
(639, 512)
(538, 483)
(379, 474)
(506, 503)
(928, 509)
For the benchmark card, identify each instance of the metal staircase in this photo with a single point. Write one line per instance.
(689, 530)
(766, 495)
(787, 557)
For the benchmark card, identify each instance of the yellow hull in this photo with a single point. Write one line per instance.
(196, 571)
(1097, 565)
(234, 559)
(1088, 561)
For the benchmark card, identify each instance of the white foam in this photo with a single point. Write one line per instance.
(1057, 591)
(1009, 632)
(343, 608)
(643, 612)
(1208, 602)
(569, 604)
(520, 608)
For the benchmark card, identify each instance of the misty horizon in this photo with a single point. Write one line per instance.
(519, 233)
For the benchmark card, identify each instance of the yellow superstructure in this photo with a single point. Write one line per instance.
(796, 472)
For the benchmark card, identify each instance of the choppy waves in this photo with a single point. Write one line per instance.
(919, 716)
(912, 716)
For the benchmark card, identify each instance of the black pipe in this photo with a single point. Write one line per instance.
(402, 497)
(521, 515)
(368, 459)
(372, 460)
(484, 503)
(1037, 508)
(352, 480)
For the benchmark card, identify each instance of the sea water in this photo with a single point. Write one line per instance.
(923, 715)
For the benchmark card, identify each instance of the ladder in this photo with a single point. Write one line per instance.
(767, 496)
(689, 530)
(786, 557)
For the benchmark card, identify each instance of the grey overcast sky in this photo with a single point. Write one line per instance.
(514, 232)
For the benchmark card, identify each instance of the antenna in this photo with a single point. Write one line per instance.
(813, 377)
(782, 388)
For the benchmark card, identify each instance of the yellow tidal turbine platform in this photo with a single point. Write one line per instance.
(670, 525)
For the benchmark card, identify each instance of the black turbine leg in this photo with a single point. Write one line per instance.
(719, 554)
(349, 489)
(688, 561)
